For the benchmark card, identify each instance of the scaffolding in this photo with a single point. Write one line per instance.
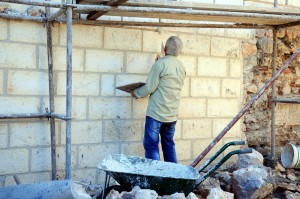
(166, 14)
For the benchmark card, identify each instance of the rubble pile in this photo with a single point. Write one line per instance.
(248, 178)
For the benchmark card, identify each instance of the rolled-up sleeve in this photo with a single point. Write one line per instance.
(151, 83)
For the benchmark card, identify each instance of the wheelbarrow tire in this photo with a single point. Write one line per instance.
(117, 188)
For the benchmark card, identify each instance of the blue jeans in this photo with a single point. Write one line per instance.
(166, 130)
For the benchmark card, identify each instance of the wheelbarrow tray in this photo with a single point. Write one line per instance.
(163, 177)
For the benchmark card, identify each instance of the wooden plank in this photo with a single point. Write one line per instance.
(95, 15)
(128, 88)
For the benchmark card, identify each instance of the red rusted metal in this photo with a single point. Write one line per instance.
(246, 107)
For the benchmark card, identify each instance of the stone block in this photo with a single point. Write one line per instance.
(139, 108)
(183, 150)
(27, 83)
(32, 32)
(211, 31)
(3, 29)
(198, 128)
(212, 67)
(78, 107)
(83, 36)
(294, 3)
(14, 56)
(3, 135)
(205, 87)
(1, 81)
(152, 41)
(133, 149)
(120, 38)
(222, 107)
(82, 84)
(258, 4)
(197, 45)
(192, 107)
(232, 2)
(83, 132)
(59, 59)
(185, 91)
(15, 105)
(220, 124)
(28, 178)
(225, 47)
(139, 63)
(14, 161)
(178, 130)
(199, 145)
(122, 80)
(85, 175)
(92, 155)
(104, 61)
(123, 130)
(107, 85)
(109, 108)
(29, 134)
(231, 88)
(236, 67)
(189, 64)
(241, 33)
(41, 158)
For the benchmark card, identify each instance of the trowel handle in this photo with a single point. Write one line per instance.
(247, 150)
(239, 142)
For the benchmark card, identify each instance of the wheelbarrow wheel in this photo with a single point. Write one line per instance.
(106, 191)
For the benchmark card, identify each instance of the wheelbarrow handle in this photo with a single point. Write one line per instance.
(247, 150)
(239, 142)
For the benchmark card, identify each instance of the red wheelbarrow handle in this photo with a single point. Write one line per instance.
(246, 107)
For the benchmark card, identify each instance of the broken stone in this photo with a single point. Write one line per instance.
(35, 11)
(175, 196)
(279, 167)
(4, 7)
(292, 177)
(191, 196)
(288, 186)
(113, 195)
(250, 159)
(251, 182)
(207, 185)
(143, 193)
(252, 88)
(225, 180)
(291, 195)
(217, 193)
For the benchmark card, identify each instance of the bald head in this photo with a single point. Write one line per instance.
(174, 46)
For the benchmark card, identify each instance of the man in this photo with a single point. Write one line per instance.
(164, 84)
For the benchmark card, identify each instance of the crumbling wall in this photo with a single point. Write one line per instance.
(257, 71)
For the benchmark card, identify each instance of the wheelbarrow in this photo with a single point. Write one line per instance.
(164, 177)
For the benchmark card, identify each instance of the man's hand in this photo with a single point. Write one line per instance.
(132, 93)
(157, 57)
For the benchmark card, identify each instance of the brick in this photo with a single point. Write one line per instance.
(59, 59)
(194, 129)
(178, 131)
(287, 114)
(232, 2)
(83, 132)
(83, 35)
(139, 108)
(107, 85)
(152, 41)
(225, 47)
(198, 146)
(183, 150)
(3, 29)
(41, 158)
(133, 149)
(87, 157)
(235, 68)
(36, 83)
(86, 175)
(241, 33)
(14, 161)
(258, 4)
(78, 107)
(185, 91)
(82, 84)
(123, 130)
(3, 135)
(189, 64)
(124, 39)
(294, 3)
(198, 45)
(28, 178)
(32, 32)
(1, 81)
(122, 80)
(15, 105)
(190, 108)
(212, 67)
(109, 108)
(211, 31)
(29, 134)
(205, 87)
(104, 61)
(220, 124)
(139, 63)
(222, 107)
(231, 88)
(14, 56)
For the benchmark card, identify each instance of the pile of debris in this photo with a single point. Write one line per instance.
(250, 177)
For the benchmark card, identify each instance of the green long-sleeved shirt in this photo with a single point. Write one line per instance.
(164, 85)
